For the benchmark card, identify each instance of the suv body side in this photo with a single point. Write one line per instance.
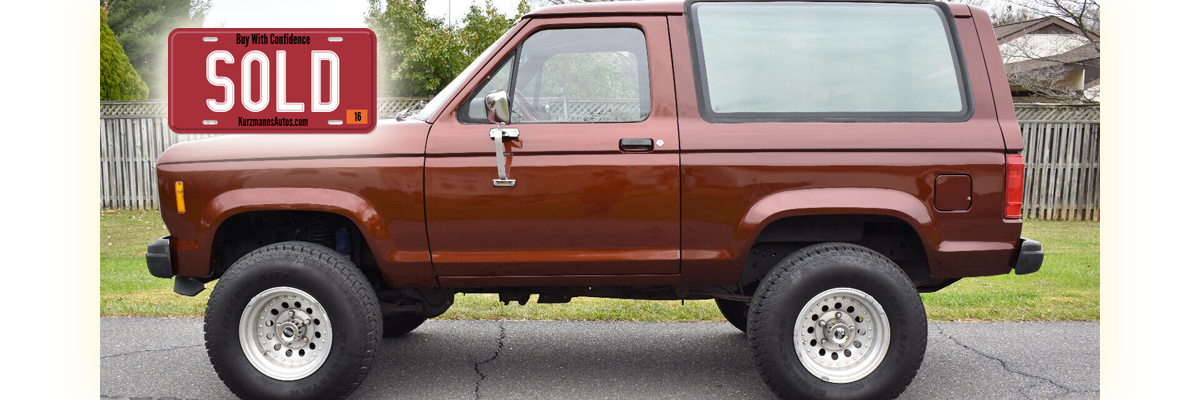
(418, 194)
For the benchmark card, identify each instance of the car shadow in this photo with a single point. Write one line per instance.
(565, 359)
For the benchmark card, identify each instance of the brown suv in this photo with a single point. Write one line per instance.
(812, 166)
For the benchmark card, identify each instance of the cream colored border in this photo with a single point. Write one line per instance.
(67, 197)
(67, 227)
(1133, 193)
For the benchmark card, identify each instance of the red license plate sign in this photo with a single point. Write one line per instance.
(271, 80)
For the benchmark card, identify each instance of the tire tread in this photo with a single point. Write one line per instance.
(361, 295)
(764, 302)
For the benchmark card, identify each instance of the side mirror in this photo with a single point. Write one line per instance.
(496, 104)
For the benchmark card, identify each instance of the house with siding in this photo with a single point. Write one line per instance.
(1050, 60)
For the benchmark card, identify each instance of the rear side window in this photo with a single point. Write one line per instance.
(816, 61)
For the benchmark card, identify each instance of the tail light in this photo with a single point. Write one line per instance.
(1014, 185)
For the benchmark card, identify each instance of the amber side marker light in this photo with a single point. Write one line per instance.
(179, 197)
(1014, 185)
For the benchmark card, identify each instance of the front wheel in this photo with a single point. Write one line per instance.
(292, 320)
(837, 321)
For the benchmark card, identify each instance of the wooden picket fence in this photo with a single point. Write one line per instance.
(1062, 161)
(1062, 154)
(129, 146)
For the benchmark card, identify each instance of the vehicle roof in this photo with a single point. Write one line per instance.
(653, 7)
(615, 7)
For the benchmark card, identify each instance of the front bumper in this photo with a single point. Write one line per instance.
(1029, 259)
(158, 261)
(158, 257)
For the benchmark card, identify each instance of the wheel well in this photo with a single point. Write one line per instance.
(240, 234)
(890, 236)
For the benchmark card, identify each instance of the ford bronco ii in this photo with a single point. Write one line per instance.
(810, 165)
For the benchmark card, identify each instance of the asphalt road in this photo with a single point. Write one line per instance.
(151, 358)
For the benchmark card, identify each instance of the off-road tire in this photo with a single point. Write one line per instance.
(396, 325)
(799, 279)
(333, 281)
(734, 312)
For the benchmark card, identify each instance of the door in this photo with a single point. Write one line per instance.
(594, 164)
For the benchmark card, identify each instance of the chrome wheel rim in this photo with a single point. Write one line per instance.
(285, 333)
(841, 335)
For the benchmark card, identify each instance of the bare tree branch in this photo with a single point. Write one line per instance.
(1084, 14)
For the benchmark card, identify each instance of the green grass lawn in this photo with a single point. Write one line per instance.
(126, 286)
(1066, 289)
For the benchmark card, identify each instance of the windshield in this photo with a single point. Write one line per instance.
(452, 88)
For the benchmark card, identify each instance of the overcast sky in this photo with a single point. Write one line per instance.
(323, 13)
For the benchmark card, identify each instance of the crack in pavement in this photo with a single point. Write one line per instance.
(1064, 390)
(499, 346)
(150, 350)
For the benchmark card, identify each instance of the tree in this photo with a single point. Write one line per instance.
(1009, 14)
(419, 55)
(118, 79)
(482, 26)
(404, 31)
(142, 26)
(543, 3)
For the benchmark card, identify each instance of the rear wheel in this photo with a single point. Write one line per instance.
(734, 312)
(837, 321)
(292, 320)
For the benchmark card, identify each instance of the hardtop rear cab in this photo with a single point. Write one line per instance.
(842, 165)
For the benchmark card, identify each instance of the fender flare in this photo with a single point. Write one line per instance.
(351, 206)
(827, 201)
(346, 204)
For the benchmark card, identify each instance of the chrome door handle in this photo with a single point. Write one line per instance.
(505, 133)
(636, 145)
(498, 135)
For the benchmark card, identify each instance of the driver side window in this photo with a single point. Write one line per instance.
(576, 75)
(474, 111)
